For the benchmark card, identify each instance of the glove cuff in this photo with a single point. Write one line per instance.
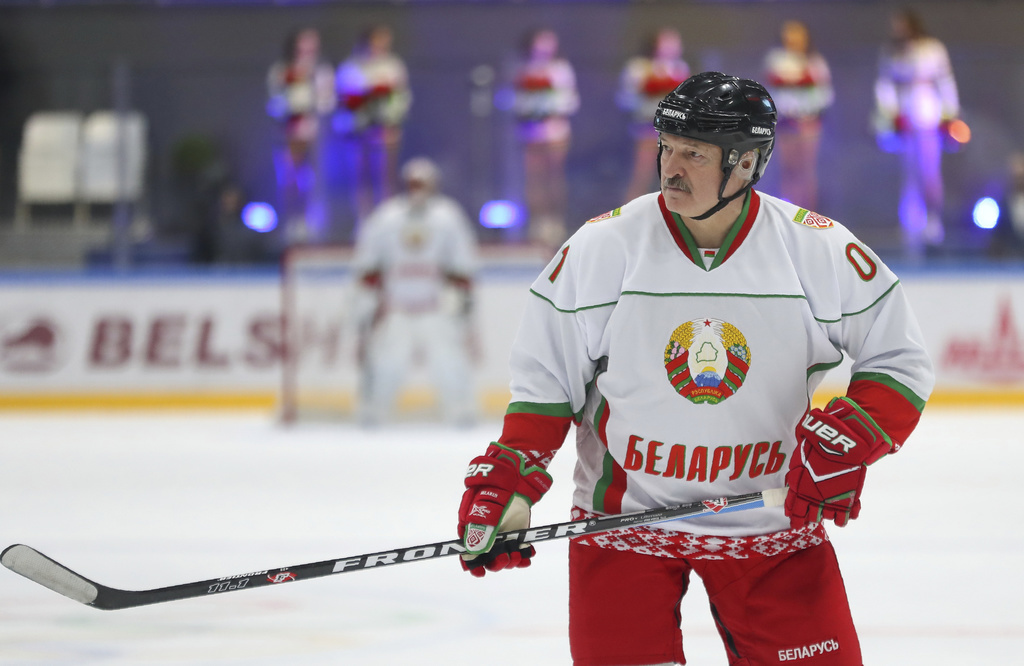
(533, 481)
(860, 422)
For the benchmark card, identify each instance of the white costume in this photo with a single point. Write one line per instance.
(373, 90)
(915, 92)
(298, 99)
(686, 370)
(917, 83)
(545, 97)
(801, 84)
(644, 83)
(414, 254)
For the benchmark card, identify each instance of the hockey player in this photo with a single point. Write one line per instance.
(683, 334)
(414, 262)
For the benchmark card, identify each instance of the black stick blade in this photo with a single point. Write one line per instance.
(37, 567)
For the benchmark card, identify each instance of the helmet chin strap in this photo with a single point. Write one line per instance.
(725, 201)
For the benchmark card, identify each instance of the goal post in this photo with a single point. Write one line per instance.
(320, 369)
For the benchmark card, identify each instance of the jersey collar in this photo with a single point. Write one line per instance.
(737, 233)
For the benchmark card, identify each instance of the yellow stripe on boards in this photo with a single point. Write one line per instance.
(491, 402)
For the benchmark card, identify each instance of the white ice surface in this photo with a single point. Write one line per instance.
(933, 566)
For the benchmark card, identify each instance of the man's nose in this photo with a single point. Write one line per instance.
(672, 166)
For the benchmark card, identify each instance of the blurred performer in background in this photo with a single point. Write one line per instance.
(801, 85)
(916, 97)
(300, 89)
(415, 260)
(373, 102)
(645, 81)
(545, 98)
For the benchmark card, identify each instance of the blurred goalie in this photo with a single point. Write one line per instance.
(414, 266)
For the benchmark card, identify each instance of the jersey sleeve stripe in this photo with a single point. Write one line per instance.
(890, 407)
(524, 431)
(540, 408)
(887, 381)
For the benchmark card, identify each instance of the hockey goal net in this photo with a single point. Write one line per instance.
(320, 373)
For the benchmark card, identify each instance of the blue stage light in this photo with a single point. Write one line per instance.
(259, 216)
(500, 214)
(986, 213)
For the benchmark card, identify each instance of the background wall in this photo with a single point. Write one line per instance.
(200, 70)
(214, 339)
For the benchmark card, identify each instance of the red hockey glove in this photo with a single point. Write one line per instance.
(500, 489)
(826, 472)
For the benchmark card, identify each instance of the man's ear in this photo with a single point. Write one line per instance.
(745, 167)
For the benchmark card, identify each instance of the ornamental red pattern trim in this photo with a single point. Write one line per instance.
(660, 542)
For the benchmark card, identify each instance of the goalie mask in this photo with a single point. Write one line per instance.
(737, 115)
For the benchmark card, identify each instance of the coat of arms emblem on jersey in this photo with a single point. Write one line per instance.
(707, 360)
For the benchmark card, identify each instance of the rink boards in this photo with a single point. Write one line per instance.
(214, 338)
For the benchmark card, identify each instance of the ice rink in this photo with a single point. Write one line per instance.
(933, 565)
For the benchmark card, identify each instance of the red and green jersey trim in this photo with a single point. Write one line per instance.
(909, 396)
(737, 233)
(538, 429)
(894, 407)
(611, 487)
(533, 426)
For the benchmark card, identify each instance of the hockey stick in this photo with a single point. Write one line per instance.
(37, 567)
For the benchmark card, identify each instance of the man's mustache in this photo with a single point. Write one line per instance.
(676, 182)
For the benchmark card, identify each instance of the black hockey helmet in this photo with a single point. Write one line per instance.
(737, 115)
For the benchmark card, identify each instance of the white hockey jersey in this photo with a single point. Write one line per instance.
(414, 250)
(686, 373)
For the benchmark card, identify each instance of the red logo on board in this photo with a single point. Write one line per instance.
(996, 357)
